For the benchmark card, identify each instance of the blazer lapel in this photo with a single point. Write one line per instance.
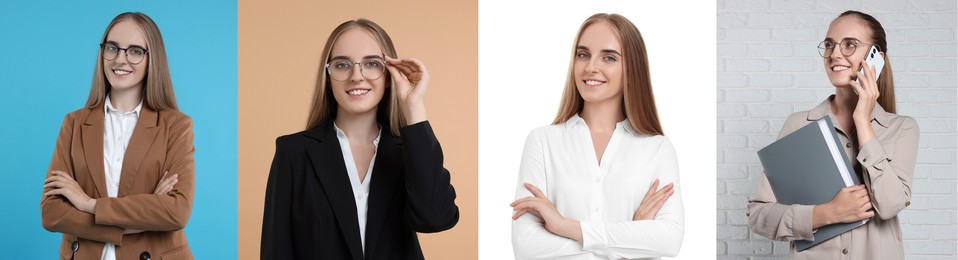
(330, 168)
(93, 149)
(143, 134)
(387, 172)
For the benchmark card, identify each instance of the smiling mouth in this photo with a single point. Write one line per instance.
(358, 92)
(120, 72)
(840, 67)
(593, 83)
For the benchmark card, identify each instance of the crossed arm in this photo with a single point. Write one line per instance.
(67, 208)
(539, 231)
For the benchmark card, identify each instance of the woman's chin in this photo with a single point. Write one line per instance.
(357, 109)
(121, 87)
(839, 83)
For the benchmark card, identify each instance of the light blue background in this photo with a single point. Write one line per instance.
(48, 51)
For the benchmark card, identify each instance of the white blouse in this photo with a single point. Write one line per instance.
(117, 130)
(560, 160)
(360, 187)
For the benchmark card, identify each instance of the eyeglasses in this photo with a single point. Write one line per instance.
(846, 46)
(342, 69)
(134, 54)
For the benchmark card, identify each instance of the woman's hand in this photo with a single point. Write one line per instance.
(551, 219)
(166, 184)
(849, 205)
(867, 88)
(410, 80)
(63, 184)
(653, 201)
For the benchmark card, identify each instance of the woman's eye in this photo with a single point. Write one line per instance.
(582, 55)
(609, 59)
(372, 64)
(111, 48)
(829, 45)
(851, 45)
(341, 65)
(136, 52)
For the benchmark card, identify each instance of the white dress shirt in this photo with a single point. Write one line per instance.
(560, 160)
(360, 187)
(117, 130)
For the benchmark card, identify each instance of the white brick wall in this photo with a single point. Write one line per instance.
(769, 67)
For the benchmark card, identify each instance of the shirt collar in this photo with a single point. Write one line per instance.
(108, 106)
(573, 121)
(341, 134)
(825, 109)
(577, 120)
(625, 124)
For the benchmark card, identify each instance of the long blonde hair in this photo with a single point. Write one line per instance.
(323, 109)
(158, 88)
(638, 103)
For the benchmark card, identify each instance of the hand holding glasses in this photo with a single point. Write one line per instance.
(409, 77)
(410, 80)
(134, 54)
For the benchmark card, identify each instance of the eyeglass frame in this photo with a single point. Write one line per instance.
(146, 52)
(361, 69)
(822, 49)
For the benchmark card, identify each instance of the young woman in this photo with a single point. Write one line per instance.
(881, 144)
(367, 172)
(120, 184)
(601, 161)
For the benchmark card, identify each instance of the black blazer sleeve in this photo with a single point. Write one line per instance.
(276, 242)
(430, 197)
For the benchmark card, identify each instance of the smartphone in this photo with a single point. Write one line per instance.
(873, 58)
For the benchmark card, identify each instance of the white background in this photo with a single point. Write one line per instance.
(524, 52)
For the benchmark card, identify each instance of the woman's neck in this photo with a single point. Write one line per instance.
(602, 115)
(361, 126)
(843, 105)
(125, 100)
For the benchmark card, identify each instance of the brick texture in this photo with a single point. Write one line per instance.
(769, 67)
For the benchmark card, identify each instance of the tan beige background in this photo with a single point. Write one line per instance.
(279, 49)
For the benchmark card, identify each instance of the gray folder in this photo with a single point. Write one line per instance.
(809, 167)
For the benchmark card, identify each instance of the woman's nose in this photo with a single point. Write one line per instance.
(357, 74)
(590, 66)
(837, 53)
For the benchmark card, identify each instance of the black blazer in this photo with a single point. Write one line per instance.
(310, 211)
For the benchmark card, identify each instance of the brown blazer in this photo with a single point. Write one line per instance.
(886, 164)
(162, 141)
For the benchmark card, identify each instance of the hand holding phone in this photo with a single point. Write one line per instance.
(873, 58)
(866, 87)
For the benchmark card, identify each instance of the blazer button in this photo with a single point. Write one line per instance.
(75, 245)
(748, 214)
(844, 251)
(907, 203)
(848, 145)
(145, 255)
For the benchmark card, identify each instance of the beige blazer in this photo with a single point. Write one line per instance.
(162, 141)
(886, 164)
